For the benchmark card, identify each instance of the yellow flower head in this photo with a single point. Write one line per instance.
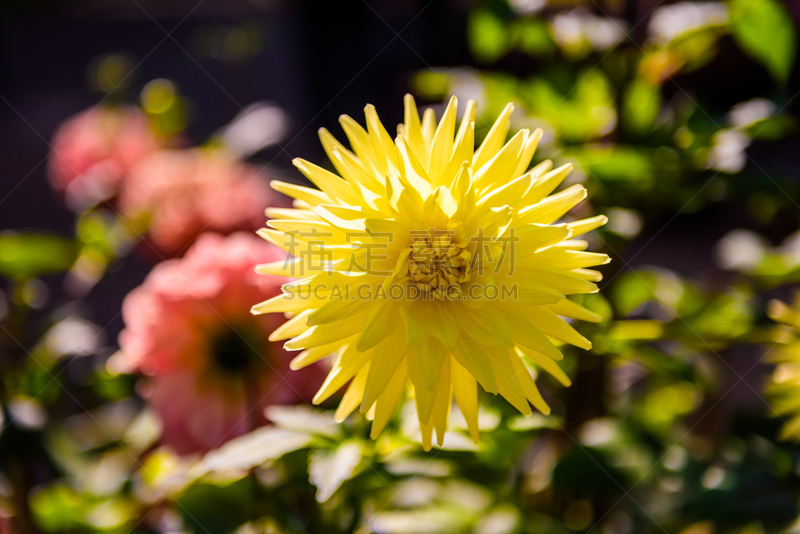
(784, 388)
(430, 261)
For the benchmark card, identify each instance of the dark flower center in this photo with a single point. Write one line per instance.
(236, 351)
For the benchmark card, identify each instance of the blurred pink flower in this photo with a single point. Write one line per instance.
(185, 192)
(210, 368)
(94, 150)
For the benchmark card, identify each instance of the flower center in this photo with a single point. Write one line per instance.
(233, 351)
(437, 264)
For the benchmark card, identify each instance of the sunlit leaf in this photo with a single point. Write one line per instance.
(329, 469)
(533, 37)
(764, 29)
(486, 35)
(620, 163)
(304, 419)
(632, 290)
(57, 507)
(28, 255)
(253, 449)
(641, 103)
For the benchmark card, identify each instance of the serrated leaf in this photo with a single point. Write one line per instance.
(329, 469)
(304, 419)
(253, 449)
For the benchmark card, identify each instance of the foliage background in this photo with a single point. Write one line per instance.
(682, 120)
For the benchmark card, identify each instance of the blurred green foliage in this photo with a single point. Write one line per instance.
(664, 428)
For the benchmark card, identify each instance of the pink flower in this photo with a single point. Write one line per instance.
(186, 192)
(94, 150)
(210, 369)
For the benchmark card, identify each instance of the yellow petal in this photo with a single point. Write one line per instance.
(533, 237)
(362, 145)
(413, 131)
(553, 207)
(381, 142)
(414, 319)
(442, 145)
(386, 356)
(442, 325)
(526, 334)
(312, 197)
(336, 188)
(494, 139)
(548, 365)
(507, 381)
(571, 259)
(315, 354)
(331, 144)
(291, 328)
(428, 127)
(528, 385)
(552, 325)
(381, 319)
(587, 225)
(442, 404)
(326, 333)
(352, 397)
(349, 362)
(387, 401)
(485, 328)
(465, 391)
(284, 303)
(336, 309)
(501, 168)
(425, 362)
(475, 359)
(528, 150)
(568, 308)
(547, 183)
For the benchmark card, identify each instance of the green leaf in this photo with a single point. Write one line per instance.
(532, 36)
(328, 470)
(253, 449)
(218, 509)
(486, 35)
(632, 290)
(304, 420)
(28, 255)
(620, 163)
(764, 30)
(640, 106)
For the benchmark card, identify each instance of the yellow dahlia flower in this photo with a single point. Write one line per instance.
(784, 388)
(427, 260)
